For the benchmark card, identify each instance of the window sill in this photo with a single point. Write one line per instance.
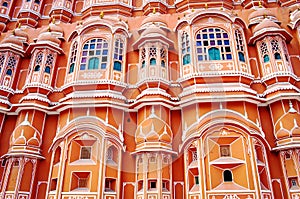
(83, 162)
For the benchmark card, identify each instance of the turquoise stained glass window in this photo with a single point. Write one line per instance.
(214, 54)
(152, 61)
(266, 58)
(241, 56)
(47, 69)
(213, 44)
(117, 66)
(277, 56)
(93, 63)
(94, 54)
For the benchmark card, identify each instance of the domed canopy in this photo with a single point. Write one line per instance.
(153, 29)
(25, 134)
(13, 40)
(153, 129)
(288, 126)
(266, 24)
(48, 37)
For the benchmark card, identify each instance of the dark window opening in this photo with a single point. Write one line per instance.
(227, 176)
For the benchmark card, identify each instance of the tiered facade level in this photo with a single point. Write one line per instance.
(149, 99)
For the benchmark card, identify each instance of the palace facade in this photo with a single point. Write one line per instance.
(149, 99)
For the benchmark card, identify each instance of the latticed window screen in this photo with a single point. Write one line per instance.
(240, 47)
(185, 48)
(73, 57)
(94, 55)
(213, 44)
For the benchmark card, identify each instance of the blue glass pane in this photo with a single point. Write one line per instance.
(226, 42)
(103, 66)
(105, 45)
(82, 67)
(92, 46)
(219, 42)
(277, 56)
(205, 30)
(98, 52)
(188, 49)
(115, 56)
(218, 35)
(198, 36)
(71, 68)
(105, 52)
(117, 66)
(211, 30)
(143, 64)
(99, 46)
(86, 46)
(211, 36)
(163, 63)
(266, 58)
(152, 61)
(120, 57)
(204, 36)
(186, 59)
(241, 56)
(83, 60)
(228, 57)
(200, 57)
(37, 68)
(225, 35)
(5, 4)
(121, 45)
(212, 43)
(198, 43)
(84, 53)
(93, 40)
(218, 30)
(9, 72)
(47, 70)
(199, 50)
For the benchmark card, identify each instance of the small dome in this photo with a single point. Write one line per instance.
(47, 36)
(20, 33)
(13, 40)
(152, 30)
(152, 18)
(24, 133)
(288, 125)
(153, 130)
(261, 12)
(266, 24)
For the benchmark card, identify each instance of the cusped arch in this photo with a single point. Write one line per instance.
(204, 125)
(92, 124)
(195, 16)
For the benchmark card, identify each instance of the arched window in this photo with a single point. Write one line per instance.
(9, 72)
(186, 59)
(214, 54)
(47, 69)
(163, 63)
(71, 68)
(37, 68)
(264, 52)
(94, 48)
(227, 176)
(37, 1)
(277, 56)
(213, 44)
(73, 57)
(240, 45)
(266, 58)
(185, 48)
(93, 63)
(143, 64)
(241, 56)
(152, 62)
(118, 54)
(276, 49)
(117, 66)
(5, 4)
